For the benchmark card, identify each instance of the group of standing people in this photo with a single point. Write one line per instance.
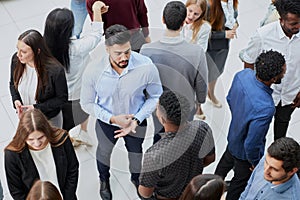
(50, 84)
(254, 98)
(45, 87)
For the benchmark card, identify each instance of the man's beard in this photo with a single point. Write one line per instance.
(121, 66)
(289, 31)
(278, 81)
(278, 179)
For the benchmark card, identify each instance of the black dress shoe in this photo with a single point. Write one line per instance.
(105, 191)
(135, 183)
(227, 185)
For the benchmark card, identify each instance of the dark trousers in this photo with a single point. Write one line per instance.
(225, 164)
(281, 120)
(106, 142)
(242, 173)
(158, 128)
(137, 40)
(73, 114)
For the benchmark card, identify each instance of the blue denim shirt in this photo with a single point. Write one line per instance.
(258, 188)
(252, 109)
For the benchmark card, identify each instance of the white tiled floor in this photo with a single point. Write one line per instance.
(19, 15)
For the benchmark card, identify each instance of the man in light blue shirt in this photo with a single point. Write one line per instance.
(121, 91)
(275, 176)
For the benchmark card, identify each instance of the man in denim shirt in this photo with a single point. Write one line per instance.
(252, 108)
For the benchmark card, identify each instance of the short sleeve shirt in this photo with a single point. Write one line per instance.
(176, 158)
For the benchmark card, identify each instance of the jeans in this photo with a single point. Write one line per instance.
(106, 143)
(281, 120)
(79, 10)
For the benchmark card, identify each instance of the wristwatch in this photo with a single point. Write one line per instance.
(137, 121)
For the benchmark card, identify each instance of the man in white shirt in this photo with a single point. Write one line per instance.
(282, 36)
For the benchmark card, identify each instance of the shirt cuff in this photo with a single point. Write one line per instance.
(245, 58)
(97, 26)
(106, 118)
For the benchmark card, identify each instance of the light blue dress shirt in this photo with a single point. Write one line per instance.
(260, 189)
(105, 93)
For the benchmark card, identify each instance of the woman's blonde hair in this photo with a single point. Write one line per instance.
(198, 22)
(35, 120)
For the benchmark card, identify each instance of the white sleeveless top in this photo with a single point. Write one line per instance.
(27, 85)
(44, 162)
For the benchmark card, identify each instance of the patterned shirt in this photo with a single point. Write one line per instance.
(176, 158)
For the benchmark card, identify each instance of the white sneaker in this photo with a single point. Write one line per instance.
(81, 138)
(85, 137)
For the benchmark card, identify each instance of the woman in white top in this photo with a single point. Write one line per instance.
(37, 79)
(39, 151)
(197, 31)
(73, 53)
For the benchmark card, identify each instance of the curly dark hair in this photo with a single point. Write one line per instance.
(175, 107)
(287, 6)
(269, 64)
(287, 150)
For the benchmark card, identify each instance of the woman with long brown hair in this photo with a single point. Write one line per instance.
(222, 16)
(37, 79)
(40, 151)
(204, 187)
(43, 190)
